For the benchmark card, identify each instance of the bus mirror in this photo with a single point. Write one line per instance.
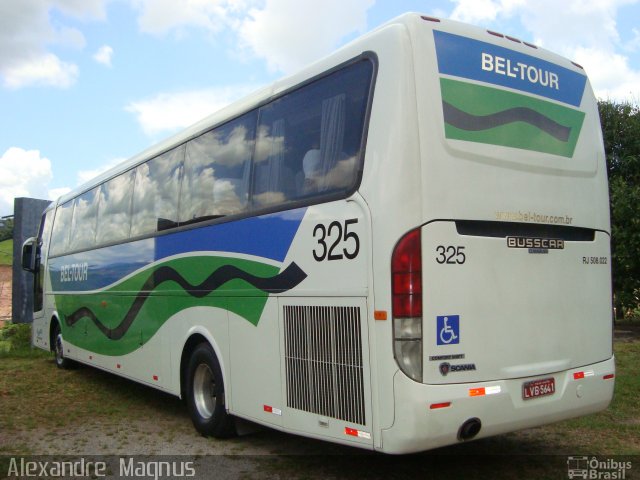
(29, 249)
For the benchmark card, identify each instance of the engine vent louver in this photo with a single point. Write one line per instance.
(323, 355)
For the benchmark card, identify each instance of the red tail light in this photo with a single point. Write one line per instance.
(406, 270)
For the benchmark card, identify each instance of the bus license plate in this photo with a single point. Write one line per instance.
(538, 388)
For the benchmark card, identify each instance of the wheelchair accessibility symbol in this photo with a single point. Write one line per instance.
(448, 327)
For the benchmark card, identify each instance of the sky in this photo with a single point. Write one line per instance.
(86, 84)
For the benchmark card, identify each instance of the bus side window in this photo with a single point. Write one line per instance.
(155, 193)
(217, 170)
(114, 212)
(273, 179)
(303, 139)
(61, 228)
(83, 223)
(42, 245)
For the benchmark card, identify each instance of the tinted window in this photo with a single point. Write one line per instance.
(114, 215)
(217, 169)
(155, 193)
(308, 142)
(61, 227)
(83, 224)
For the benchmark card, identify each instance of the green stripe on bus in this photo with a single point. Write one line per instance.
(109, 308)
(482, 114)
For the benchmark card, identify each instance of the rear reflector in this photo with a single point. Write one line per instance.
(356, 433)
(482, 391)
(435, 406)
(580, 375)
(608, 376)
(270, 409)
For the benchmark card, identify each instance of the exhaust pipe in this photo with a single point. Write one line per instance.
(469, 429)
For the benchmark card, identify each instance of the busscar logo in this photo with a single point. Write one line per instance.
(446, 367)
(535, 242)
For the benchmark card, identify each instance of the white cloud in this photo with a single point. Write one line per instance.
(55, 193)
(168, 112)
(633, 44)
(82, 8)
(44, 70)
(86, 175)
(26, 173)
(617, 82)
(585, 31)
(162, 16)
(482, 11)
(104, 55)
(289, 34)
(26, 31)
(23, 173)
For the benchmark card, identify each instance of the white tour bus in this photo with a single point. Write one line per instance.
(403, 246)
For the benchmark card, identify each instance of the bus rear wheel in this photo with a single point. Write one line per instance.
(205, 394)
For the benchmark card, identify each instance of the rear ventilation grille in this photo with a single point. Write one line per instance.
(323, 354)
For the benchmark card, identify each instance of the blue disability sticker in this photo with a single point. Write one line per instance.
(448, 329)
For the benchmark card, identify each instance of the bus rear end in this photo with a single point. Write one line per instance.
(501, 296)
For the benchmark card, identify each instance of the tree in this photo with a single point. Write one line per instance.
(6, 229)
(621, 133)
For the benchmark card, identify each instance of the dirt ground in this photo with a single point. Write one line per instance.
(5, 293)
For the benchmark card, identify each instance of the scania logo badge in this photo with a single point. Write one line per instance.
(446, 367)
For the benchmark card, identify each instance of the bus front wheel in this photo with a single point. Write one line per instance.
(58, 349)
(205, 394)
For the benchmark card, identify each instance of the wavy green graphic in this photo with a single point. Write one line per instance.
(121, 319)
(482, 114)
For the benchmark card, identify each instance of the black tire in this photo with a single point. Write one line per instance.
(205, 394)
(58, 350)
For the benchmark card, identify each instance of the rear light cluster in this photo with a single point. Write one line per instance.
(406, 289)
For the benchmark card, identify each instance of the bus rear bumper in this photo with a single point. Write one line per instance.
(431, 416)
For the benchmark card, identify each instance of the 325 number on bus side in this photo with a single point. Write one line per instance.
(336, 241)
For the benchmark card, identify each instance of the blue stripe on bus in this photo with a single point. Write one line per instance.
(475, 60)
(268, 236)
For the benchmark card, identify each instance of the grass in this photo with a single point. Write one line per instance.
(6, 252)
(37, 399)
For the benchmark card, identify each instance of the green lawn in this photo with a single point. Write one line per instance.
(6, 252)
(30, 385)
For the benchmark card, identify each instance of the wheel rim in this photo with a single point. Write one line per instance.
(204, 390)
(59, 350)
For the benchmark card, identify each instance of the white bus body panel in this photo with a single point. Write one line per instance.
(519, 314)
